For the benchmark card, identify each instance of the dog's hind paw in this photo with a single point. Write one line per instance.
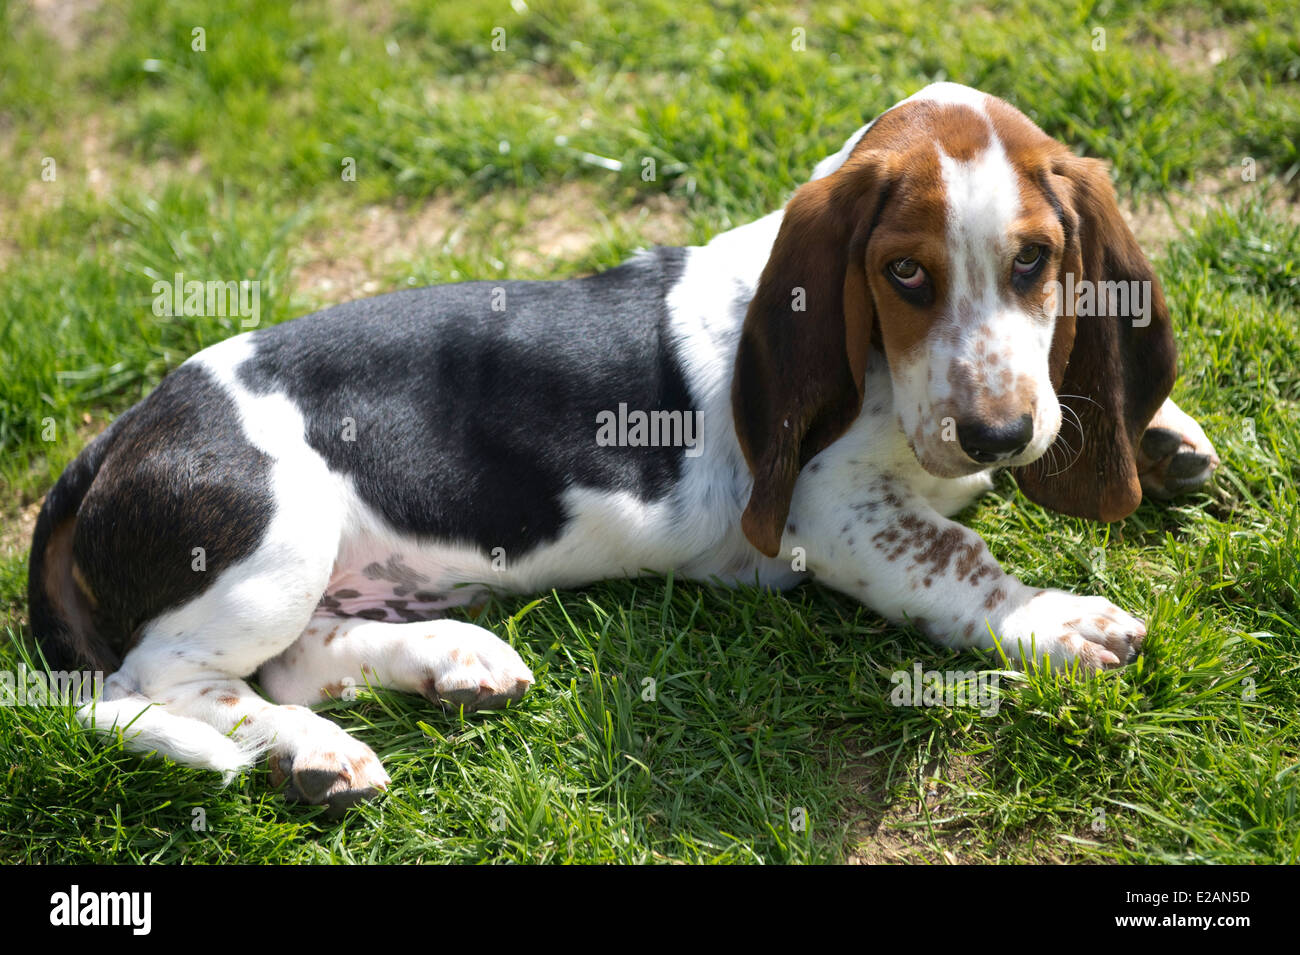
(337, 776)
(474, 668)
(1174, 457)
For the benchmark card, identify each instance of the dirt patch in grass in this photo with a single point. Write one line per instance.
(362, 250)
(87, 170)
(94, 165)
(568, 221)
(1192, 48)
(892, 831)
(1157, 222)
(347, 261)
(923, 824)
(16, 529)
(369, 17)
(877, 838)
(66, 21)
(17, 516)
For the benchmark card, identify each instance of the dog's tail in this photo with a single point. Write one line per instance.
(61, 608)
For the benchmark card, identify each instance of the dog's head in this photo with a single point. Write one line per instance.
(993, 269)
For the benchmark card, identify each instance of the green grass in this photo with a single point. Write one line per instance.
(225, 163)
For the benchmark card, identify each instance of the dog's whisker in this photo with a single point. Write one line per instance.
(1074, 419)
(1060, 399)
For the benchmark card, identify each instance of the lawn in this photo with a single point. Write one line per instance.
(331, 149)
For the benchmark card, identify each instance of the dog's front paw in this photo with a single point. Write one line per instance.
(1174, 456)
(473, 668)
(337, 773)
(1063, 628)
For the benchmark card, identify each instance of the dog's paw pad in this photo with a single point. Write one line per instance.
(476, 670)
(332, 778)
(1174, 461)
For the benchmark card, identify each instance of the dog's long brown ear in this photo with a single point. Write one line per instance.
(803, 350)
(1112, 370)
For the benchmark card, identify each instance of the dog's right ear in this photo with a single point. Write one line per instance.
(802, 359)
(1121, 367)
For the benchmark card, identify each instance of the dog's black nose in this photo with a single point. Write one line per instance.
(987, 443)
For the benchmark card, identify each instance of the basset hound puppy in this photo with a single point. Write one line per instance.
(810, 396)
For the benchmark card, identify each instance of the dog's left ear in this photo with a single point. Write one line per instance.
(1113, 370)
(802, 359)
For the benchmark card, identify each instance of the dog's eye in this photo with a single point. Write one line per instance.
(1028, 261)
(907, 273)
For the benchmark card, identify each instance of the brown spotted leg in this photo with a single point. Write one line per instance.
(892, 551)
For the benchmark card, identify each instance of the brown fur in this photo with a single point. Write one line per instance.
(797, 385)
(1123, 373)
(72, 599)
(799, 375)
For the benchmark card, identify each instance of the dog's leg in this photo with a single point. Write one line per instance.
(886, 546)
(151, 726)
(318, 760)
(203, 717)
(181, 697)
(1174, 456)
(180, 691)
(445, 660)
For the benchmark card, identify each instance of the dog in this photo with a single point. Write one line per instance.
(809, 396)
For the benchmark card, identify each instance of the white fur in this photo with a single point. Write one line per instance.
(442, 658)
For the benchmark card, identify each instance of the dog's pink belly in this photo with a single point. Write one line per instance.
(397, 588)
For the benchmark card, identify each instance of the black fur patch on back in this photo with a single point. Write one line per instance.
(469, 422)
(179, 475)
